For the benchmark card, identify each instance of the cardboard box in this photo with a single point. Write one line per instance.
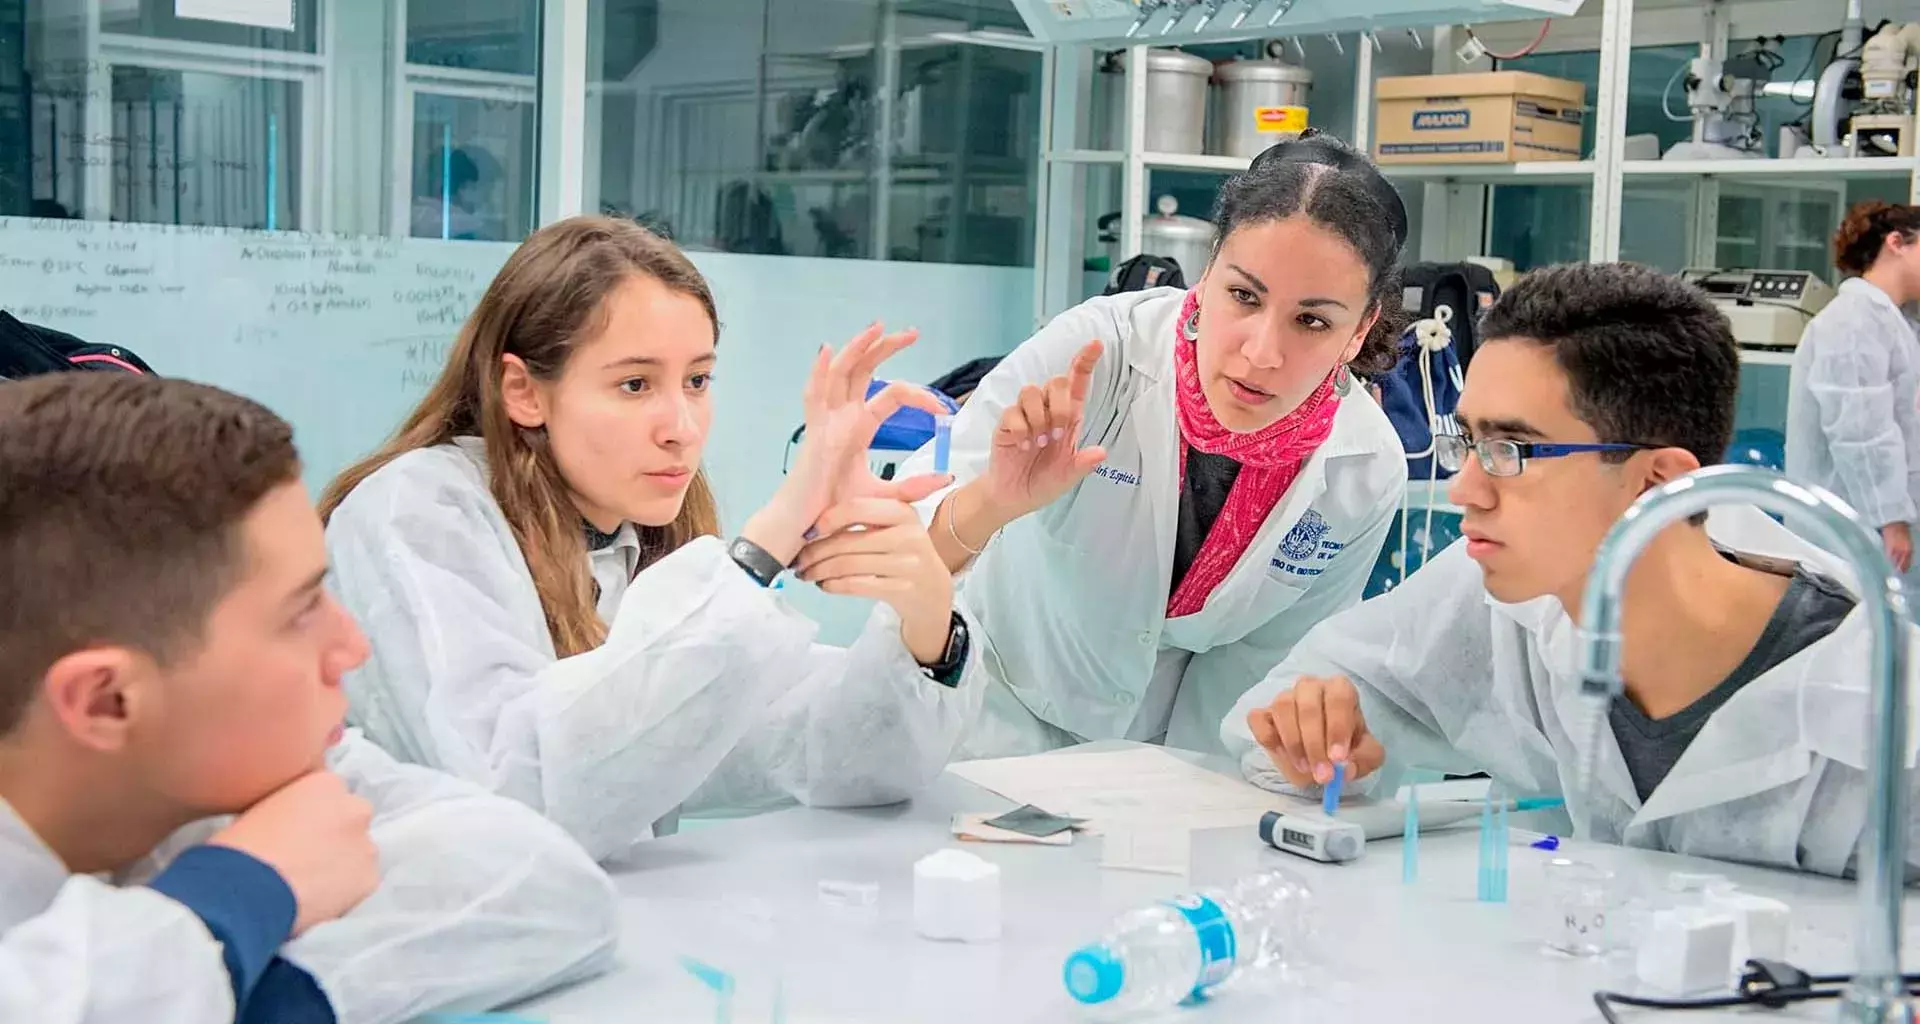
(1489, 118)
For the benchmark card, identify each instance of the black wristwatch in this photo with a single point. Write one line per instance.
(755, 560)
(952, 664)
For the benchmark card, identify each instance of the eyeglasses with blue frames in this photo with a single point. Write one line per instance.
(1502, 457)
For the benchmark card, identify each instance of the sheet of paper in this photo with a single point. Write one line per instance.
(1163, 851)
(275, 14)
(1140, 785)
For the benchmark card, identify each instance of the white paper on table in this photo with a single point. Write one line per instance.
(1143, 785)
(1164, 851)
(274, 14)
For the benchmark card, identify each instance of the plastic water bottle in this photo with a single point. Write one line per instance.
(1185, 948)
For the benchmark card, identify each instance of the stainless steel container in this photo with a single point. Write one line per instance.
(1262, 102)
(1176, 103)
(1187, 241)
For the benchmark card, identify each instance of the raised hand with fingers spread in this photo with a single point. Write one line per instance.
(841, 422)
(1036, 458)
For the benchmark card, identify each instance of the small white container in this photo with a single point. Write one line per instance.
(956, 897)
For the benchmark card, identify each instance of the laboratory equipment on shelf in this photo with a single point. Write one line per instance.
(1183, 948)
(1185, 240)
(1877, 992)
(1769, 309)
(1176, 114)
(1882, 124)
(1262, 102)
(1720, 98)
(1841, 97)
(1121, 22)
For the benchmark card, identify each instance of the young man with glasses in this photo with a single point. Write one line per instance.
(1740, 736)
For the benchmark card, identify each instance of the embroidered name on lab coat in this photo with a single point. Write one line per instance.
(1118, 476)
(1306, 548)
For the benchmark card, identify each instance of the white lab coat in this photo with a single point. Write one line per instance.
(480, 903)
(1452, 680)
(1072, 599)
(708, 691)
(1853, 405)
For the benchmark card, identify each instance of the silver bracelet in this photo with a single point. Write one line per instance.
(954, 532)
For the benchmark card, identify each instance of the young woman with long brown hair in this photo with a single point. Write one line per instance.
(536, 557)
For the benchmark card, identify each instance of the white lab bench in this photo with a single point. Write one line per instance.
(743, 895)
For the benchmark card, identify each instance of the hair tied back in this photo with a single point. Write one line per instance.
(1313, 146)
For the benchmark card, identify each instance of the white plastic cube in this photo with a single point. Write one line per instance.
(956, 897)
(1686, 951)
(1760, 925)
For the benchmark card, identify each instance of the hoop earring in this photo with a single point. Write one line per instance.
(1190, 328)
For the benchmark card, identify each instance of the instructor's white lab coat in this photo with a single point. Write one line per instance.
(1451, 680)
(1072, 599)
(1853, 405)
(480, 903)
(708, 691)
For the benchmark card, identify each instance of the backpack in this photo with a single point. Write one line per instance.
(1404, 392)
(1467, 288)
(1143, 272)
(28, 350)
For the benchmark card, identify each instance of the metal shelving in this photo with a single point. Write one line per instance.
(1455, 196)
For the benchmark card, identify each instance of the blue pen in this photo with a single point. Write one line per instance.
(1330, 796)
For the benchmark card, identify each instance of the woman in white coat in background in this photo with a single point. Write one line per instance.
(551, 614)
(1207, 480)
(1853, 423)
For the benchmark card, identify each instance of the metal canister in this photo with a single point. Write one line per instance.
(1264, 102)
(1187, 241)
(1176, 102)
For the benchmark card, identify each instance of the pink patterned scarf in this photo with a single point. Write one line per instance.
(1270, 459)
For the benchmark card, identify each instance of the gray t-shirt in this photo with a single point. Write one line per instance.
(1812, 607)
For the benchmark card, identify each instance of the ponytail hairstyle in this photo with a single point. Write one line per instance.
(1857, 245)
(1338, 188)
(549, 297)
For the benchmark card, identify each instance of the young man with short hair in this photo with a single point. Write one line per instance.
(1741, 735)
(177, 797)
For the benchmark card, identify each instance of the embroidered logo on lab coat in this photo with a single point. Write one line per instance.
(1118, 476)
(1307, 546)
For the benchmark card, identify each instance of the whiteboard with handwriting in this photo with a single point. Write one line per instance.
(340, 336)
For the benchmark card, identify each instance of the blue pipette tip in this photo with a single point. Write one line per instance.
(1330, 796)
(713, 977)
(1410, 838)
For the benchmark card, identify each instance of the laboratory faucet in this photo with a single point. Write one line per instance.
(1148, 8)
(1212, 11)
(1877, 993)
